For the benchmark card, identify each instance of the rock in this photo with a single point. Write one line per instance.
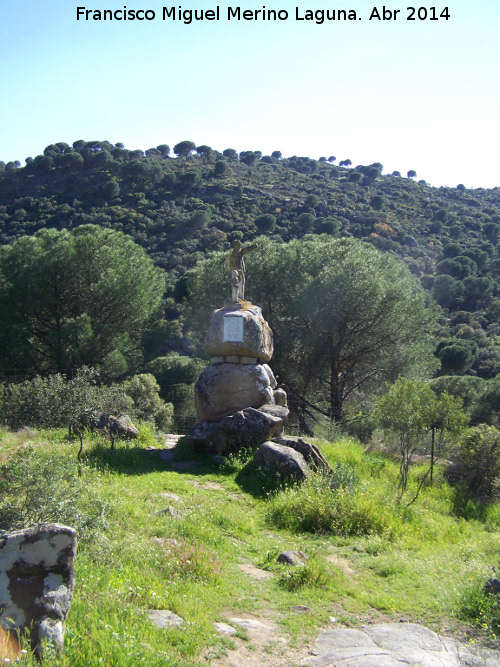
(310, 452)
(224, 389)
(396, 644)
(164, 618)
(123, 427)
(284, 460)
(248, 360)
(219, 460)
(492, 586)
(225, 629)
(217, 360)
(277, 412)
(270, 375)
(250, 624)
(293, 557)
(239, 331)
(37, 580)
(280, 397)
(248, 428)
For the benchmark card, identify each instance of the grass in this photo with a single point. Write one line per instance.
(370, 558)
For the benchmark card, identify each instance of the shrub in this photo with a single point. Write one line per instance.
(36, 489)
(148, 406)
(54, 401)
(477, 463)
(182, 558)
(300, 576)
(478, 606)
(327, 505)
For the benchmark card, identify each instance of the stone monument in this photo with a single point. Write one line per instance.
(236, 398)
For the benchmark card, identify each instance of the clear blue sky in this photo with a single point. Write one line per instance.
(420, 95)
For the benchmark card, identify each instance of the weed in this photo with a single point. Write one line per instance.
(300, 576)
(323, 505)
(182, 558)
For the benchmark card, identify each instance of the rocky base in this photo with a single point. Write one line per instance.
(225, 388)
(248, 428)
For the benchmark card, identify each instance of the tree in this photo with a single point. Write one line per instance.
(184, 148)
(69, 299)
(164, 149)
(345, 163)
(331, 159)
(220, 168)
(406, 412)
(411, 174)
(249, 158)
(276, 155)
(266, 223)
(205, 151)
(201, 218)
(377, 202)
(311, 201)
(409, 410)
(456, 354)
(230, 153)
(345, 316)
(447, 291)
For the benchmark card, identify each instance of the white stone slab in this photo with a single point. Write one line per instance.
(233, 328)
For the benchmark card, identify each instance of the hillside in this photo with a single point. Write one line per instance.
(179, 209)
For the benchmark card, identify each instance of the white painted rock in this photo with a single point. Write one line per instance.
(224, 389)
(37, 580)
(242, 332)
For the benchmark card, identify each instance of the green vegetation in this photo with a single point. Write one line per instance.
(182, 209)
(345, 317)
(369, 556)
(384, 298)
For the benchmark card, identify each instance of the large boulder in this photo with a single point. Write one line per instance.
(239, 330)
(250, 428)
(283, 460)
(223, 389)
(310, 452)
(120, 425)
(37, 580)
(123, 427)
(247, 428)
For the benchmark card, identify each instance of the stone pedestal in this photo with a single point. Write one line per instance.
(239, 342)
(239, 329)
(223, 389)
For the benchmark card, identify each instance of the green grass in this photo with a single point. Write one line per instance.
(370, 557)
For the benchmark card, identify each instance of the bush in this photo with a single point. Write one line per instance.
(477, 463)
(361, 426)
(143, 390)
(327, 505)
(478, 606)
(36, 489)
(54, 401)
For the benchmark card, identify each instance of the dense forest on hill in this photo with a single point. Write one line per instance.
(181, 208)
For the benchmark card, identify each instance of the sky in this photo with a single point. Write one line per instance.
(421, 95)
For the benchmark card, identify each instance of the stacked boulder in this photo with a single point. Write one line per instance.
(237, 400)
